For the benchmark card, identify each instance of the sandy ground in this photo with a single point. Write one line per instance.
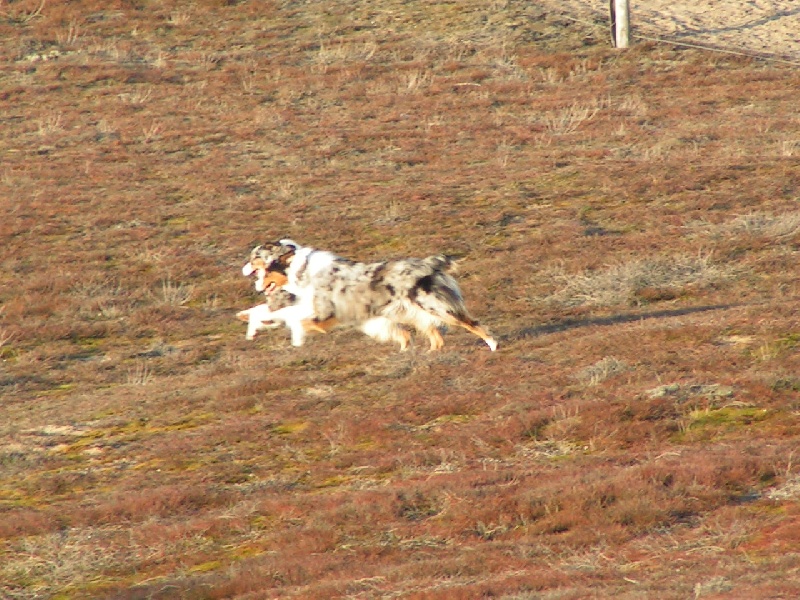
(762, 27)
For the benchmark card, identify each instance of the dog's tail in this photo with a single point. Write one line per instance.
(439, 295)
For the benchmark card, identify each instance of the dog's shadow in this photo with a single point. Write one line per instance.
(568, 324)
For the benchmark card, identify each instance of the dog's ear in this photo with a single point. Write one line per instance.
(266, 251)
(285, 251)
(272, 255)
(285, 259)
(263, 252)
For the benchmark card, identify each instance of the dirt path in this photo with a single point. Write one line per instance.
(769, 27)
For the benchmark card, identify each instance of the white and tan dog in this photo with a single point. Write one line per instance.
(281, 306)
(381, 298)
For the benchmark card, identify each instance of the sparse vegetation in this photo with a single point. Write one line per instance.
(626, 224)
(639, 281)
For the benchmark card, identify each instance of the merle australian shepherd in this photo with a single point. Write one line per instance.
(382, 299)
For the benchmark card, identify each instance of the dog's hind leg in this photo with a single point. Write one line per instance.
(435, 338)
(400, 335)
(385, 330)
(403, 337)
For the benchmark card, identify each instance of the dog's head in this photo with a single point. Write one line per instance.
(272, 280)
(269, 263)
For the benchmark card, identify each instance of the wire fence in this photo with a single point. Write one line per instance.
(641, 27)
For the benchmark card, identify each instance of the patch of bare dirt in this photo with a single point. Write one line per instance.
(762, 27)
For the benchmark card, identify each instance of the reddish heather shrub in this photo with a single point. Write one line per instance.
(159, 501)
(24, 522)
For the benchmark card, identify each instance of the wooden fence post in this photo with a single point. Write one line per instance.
(620, 22)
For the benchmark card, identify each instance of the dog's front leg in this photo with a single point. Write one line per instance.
(253, 325)
(320, 326)
(249, 317)
(298, 334)
(257, 318)
(300, 313)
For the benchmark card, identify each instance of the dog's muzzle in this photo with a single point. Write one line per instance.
(261, 274)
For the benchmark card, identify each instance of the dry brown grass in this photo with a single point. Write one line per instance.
(628, 227)
(639, 280)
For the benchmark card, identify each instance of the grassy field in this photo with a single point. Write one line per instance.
(629, 224)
